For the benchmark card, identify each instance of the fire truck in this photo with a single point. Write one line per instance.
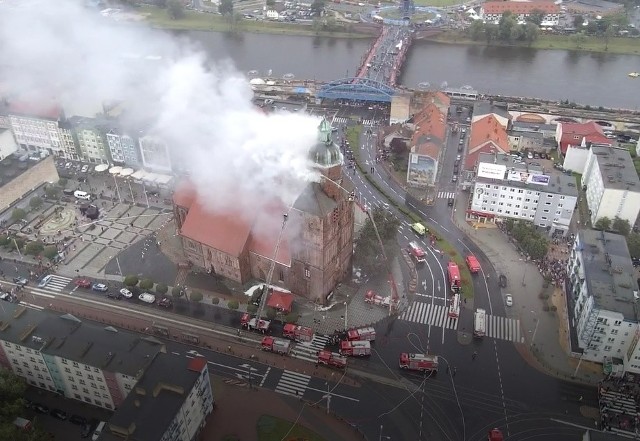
(473, 264)
(331, 359)
(454, 306)
(297, 333)
(355, 348)
(495, 435)
(361, 334)
(479, 323)
(374, 299)
(416, 252)
(253, 324)
(419, 362)
(454, 276)
(277, 345)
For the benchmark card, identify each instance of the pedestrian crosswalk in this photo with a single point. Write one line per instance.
(370, 122)
(308, 350)
(57, 283)
(293, 383)
(340, 120)
(446, 194)
(504, 328)
(436, 315)
(345, 120)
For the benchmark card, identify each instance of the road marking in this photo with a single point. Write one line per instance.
(334, 394)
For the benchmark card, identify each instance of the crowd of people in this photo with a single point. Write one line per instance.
(553, 269)
(618, 399)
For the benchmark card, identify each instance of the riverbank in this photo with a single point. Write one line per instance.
(617, 45)
(197, 21)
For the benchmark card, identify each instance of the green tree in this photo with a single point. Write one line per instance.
(368, 253)
(233, 304)
(62, 182)
(578, 21)
(491, 32)
(50, 252)
(609, 32)
(12, 391)
(317, 7)
(196, 296)
(34, 248)
(578, 39)
(621, 226)
(177, 292)
(292, 317)
(271, 3)
(18, 214)
(633, 243)
(16, 243)
(531, 33)
(161, 288)
(476, 30)
(146, 284)
(603, 224)
(4, 240)
(131, 280)
(505, 26)
(251, 308)
(35, 202)
(225, 7)
(51, 191)
(175, 9)
(271, 313)
(536, 16)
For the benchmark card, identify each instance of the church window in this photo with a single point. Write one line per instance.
(281, 276)
(307, 273)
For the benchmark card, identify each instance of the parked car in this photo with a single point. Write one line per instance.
(83, 283)
(79, 420)
(166, 302)
(20, 281)
(84, 169)
(45, 280)
(450, 202)
(147, 298)
(99, 287)
(126, 293)
(508, 300)
(59, 414)
(114, 295)
(40, 408)
(86, 430)
(454, 178)
(502, 280)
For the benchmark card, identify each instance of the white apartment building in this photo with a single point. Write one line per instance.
(155, 154)
(602, 295)
(123, 148)
(506, 188)
(612, 184)
(492, 11)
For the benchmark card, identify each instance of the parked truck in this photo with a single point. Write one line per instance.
(277, 345)
(331, 359)
(297, 333)
(255, 324)
(361, 334)
(374, 299)
(419, 362)
(472, 263)
(355, 348)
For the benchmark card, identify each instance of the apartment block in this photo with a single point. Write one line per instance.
(155, 154)
(90, 138)
(123, 148)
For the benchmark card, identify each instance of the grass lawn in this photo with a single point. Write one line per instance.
(196, 21)
(465, 274)
(590, 44)
(275, 429)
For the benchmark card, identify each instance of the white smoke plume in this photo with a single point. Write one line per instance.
(238, 156)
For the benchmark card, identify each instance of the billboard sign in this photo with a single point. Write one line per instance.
(491, 171)
(528, 178)
(422, 171)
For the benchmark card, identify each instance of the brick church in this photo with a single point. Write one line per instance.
(317, 238)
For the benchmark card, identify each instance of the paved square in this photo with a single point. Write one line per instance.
(126, 237)
(110, 234)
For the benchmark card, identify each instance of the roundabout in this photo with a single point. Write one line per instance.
(399, 16)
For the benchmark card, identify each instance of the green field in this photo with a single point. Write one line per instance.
(563, 42)
(275, 429)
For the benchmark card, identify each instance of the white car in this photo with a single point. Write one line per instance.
(44, 281)
(147, 298)
(508, 300)
(85, 168)
(126, 293)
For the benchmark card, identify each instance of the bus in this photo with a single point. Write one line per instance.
(417, 252)
(479, 323)
(454, 276)
(454, 306)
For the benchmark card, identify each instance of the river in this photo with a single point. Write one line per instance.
(587, 78)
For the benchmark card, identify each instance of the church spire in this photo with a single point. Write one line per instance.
(324, 132)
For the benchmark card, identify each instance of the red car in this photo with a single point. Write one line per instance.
(83, 283)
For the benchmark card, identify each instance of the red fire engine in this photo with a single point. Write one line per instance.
(374, 299)
(331, 359)
(417, 252)
(495, 435)
(253, 324)
(355, 348)
(473, 264)
(454, 306)
(362, 334)
(419, 362)
(454, 276)
(297, 333)
(277, 345)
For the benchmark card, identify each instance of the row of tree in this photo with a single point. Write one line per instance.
(621, 226)
(529, 239)
(507, 30)
(368, 254)
(12, 406)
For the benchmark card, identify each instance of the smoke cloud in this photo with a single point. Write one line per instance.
(238, 157)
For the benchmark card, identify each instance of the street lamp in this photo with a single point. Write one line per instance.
(381, 436)
(524, 273)
(346, 310)
(535, 329)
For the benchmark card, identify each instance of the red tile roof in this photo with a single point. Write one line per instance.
(185, 194)
(574, 133)
(280, 300)
(520, 7)
(226, 232)
(197, 364)
(487, 135)
(428, 148)
(36, 110)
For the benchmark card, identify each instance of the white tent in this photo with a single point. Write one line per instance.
(115, 170)
(101, 167)
(139, 175)
(126, 172)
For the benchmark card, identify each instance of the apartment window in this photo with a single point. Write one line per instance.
(307, 273)
(617, 323)
(81, 382)
(74, 387)
(89, 377)
(281, 276)
(495, 187)
(611, 339)
(607, 348)
(507, 212)
(67, 370)
(545, 211)
(527, 200)
(561, 197)
(75, 364)
(547, 203)
(520, 191)
(559, 205)
(544, 218)
(487, 185)
(508, 205)
(517, 206)
(501, 203)
(512, 190)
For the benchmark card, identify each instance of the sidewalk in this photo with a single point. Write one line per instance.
(550, 350)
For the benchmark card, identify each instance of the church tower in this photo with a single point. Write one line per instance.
(328, 159)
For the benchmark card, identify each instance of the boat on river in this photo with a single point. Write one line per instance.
(634, 74)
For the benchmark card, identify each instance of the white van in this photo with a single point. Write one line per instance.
(98, 431)
(82, 195)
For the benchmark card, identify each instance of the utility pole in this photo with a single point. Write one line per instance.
(328, 399)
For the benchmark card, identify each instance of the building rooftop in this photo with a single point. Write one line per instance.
(48, 111)
(487, 135)
(151, 406)
(616, 168)
(525, 126)
(518, 7)
(66, 336)
(314, 200)
(608, 271)
(483, 108)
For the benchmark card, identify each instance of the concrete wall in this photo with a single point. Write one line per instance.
(38, 174)
(576, 159)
